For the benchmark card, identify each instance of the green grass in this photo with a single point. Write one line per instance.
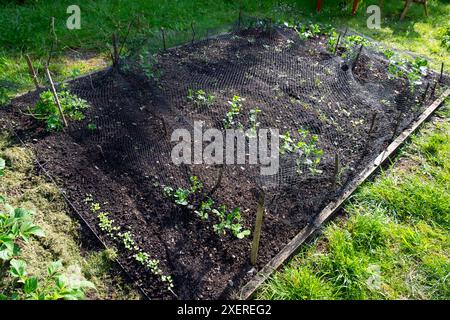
(394, 242)
(26, 28)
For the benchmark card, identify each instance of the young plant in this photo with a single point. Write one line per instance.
(305, 32)
(92, 126)
(107, 225)
(47, 111)
(15, 224)
(229, 221)
(127, 240)
(332, 41)
(54, 286)
(204, 209)
(253, 118)
(310, 154)
(200, 98)
(234, 111)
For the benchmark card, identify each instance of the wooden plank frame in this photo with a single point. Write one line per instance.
(248, 290)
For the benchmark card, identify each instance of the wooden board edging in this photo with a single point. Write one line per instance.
(247, 291)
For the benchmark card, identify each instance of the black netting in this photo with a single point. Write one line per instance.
(352, 104)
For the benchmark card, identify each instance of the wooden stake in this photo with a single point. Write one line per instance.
(115, 55)
(163, 34)
(55, 95)
(258, 226)
(424, 96)
(434, 88)
(336, 170)
(219, 180)
(345, 32)
(372, 124)
(32, 72)
(337, 43)
(357, 57)
(442, 72)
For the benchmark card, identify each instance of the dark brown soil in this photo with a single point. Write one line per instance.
(125, 163)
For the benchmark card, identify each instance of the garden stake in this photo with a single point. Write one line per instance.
(163, 34)
(336, 170)
(372, 124)
(357, 57)
(337, 43)
(434, 88)
(442, 72)
(424, 96)
(193, 32)
(397, 124)
(345, 32)
(258, 226)
(115, 54)
(219, 180)
(32, 72)
(55, 95)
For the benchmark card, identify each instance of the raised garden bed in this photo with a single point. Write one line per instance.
(124, 162)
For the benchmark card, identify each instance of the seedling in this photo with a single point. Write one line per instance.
(306, 148)
(127, 240)
(107, 225)
(235, 109)
(254, 124)
(200, 98)
(92, 127)
(229, 221)
(205, 209)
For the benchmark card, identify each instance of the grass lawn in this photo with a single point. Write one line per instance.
(394, 241)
